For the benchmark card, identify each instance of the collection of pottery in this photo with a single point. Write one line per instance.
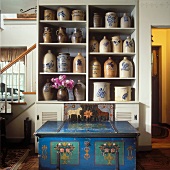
(115, 45)
(63, 13)
(62, 36)
(111, 20)
(111, 68)
(101, 92)
(62, 63)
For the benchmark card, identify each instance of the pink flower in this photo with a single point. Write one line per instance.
(61, 82)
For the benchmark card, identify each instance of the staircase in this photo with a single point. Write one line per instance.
(13, 101)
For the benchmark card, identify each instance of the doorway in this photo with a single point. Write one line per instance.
(156, 85)
(160, 77)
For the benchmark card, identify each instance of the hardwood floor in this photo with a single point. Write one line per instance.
(161, 143)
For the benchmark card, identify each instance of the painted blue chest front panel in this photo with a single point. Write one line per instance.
(87, 146)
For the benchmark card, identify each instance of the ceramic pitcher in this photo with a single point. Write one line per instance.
(62, 35)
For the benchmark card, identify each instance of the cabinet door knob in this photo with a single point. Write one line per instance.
(86, 143)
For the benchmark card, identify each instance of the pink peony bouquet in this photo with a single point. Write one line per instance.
(61, 82)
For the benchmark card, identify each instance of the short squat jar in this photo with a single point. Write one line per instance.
(77, 15)
(49, 14)
(111, 20)
(63, 62)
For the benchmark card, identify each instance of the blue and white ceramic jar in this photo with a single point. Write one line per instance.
(105, 45)
(117, 44)
(63, 62)
(49, 62)
(122, 93)
(111, 20)
(63, 13)
(94, 45)
(125, 68)
(128, 45)
(125, 21)
(101, 91)
(47, 91)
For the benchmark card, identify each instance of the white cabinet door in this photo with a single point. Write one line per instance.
(127, 112)
(47, 112)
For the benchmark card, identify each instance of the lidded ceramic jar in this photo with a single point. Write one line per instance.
(105, 45)
(63, 62)
(125, 21)
(63, 13)
(125, 68)
(49, 14)
(101, 91)
(97, 20)
(128, 45)
(117, 44)
(79, 91)
(111, 20)
(47, 35)
(95, 68)
(49, 62)
(94, 45)
(61, 35)
(110, 68)
(47, 91)
(79, 64)
(123, 93)
(77, 36)
(77, 15)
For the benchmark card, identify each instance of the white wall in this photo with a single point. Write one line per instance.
(22, 34)
(151, 13)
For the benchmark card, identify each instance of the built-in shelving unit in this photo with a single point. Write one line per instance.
(129, 7)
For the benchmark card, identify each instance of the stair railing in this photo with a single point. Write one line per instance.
(6, 73)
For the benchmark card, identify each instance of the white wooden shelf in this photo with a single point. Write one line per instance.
(67, 24)
(111, 53)
(123, 31)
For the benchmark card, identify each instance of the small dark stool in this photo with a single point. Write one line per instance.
(3, 142)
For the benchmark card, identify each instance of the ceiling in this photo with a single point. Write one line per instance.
(14, 6)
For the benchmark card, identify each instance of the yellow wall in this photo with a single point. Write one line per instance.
(161, 37)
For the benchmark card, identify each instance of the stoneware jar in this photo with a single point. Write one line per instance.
(101, 91)
(47, 35)
(105, 45)
(47, 91)
(77, 15)
(79, 64)
(111, 20)
(63, 13)
(128, 45)
(116, 44)
(110, 68)
(49, 14)
(97, 20)
(63, 62)
(95, 68)
(62, 35)
(77, 36)
(49, 62)
(122, 93)
(125, 21)
(62, 94)
(125, 68)
(94, 45)
(79, 91)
